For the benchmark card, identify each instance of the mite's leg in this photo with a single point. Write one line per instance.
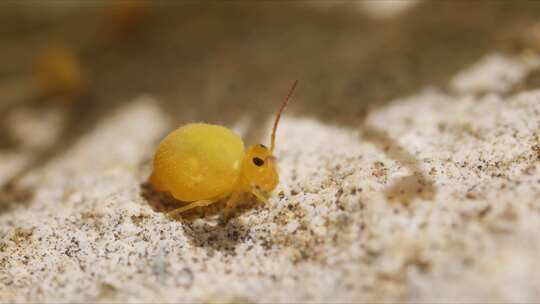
(259, 195)
(192, 205)
(231, 204)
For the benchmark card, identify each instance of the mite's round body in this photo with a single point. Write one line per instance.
(202, 163)
(198, 162)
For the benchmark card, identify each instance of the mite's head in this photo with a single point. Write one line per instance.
(260, 165)
(260, 168)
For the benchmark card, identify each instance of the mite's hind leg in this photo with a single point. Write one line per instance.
(230, 205)
(192, 205)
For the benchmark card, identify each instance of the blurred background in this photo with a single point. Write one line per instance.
(64, 66)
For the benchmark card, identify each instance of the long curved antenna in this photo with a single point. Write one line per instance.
(278, 116)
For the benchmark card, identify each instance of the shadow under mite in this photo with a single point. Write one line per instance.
(163, 202)
(223, 235)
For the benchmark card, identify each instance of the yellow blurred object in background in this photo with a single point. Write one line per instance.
(123, 18)
(58, 72)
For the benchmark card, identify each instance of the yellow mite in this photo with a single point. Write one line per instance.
(202, 163)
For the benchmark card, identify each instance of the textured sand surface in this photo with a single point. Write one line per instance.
(436, 197)
(409, 160)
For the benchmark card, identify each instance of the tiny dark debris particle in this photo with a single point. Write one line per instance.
(106, 291)
(233, 235)
(536, 149)
(138, 219)
(529, 170)
(484, 211)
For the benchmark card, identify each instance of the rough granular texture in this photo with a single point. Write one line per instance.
(434, 197)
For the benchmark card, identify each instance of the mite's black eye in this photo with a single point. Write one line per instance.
(258, 162)
(263, 146)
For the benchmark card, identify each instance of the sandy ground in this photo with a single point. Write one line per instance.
(418, 182)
